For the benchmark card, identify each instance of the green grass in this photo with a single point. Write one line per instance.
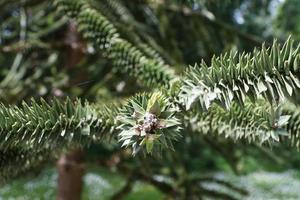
(101, 184)
(98, 184)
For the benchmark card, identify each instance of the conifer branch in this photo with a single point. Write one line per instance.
(50, 125)
(136, 32)
(57, 123)
(126, 57)
(293, 125)
(271, 72)
(255, 123)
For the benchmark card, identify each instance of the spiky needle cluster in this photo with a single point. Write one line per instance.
(148, 121)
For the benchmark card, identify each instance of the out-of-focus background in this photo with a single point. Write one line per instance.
(42, 54)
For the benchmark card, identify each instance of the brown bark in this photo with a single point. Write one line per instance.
(70, 172)
(70, 166)
(75, 47)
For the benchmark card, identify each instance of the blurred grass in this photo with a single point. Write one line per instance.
(101, 184)
(98, 184)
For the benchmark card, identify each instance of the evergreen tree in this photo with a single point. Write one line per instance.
(119, 78)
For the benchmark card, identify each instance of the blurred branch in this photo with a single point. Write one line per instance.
(7, 4)
(228, 156)
(221, 182)
(210, 19)
(270, 154)
(23, 24)
(216, 194)
(50, 29)
(34, 41)
(21, 46)
(138, 174)
(127, 188)
(160, 185)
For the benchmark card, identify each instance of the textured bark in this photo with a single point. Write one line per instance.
(70, 172)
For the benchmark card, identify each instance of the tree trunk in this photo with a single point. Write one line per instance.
(70, 172)
(71, 165)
